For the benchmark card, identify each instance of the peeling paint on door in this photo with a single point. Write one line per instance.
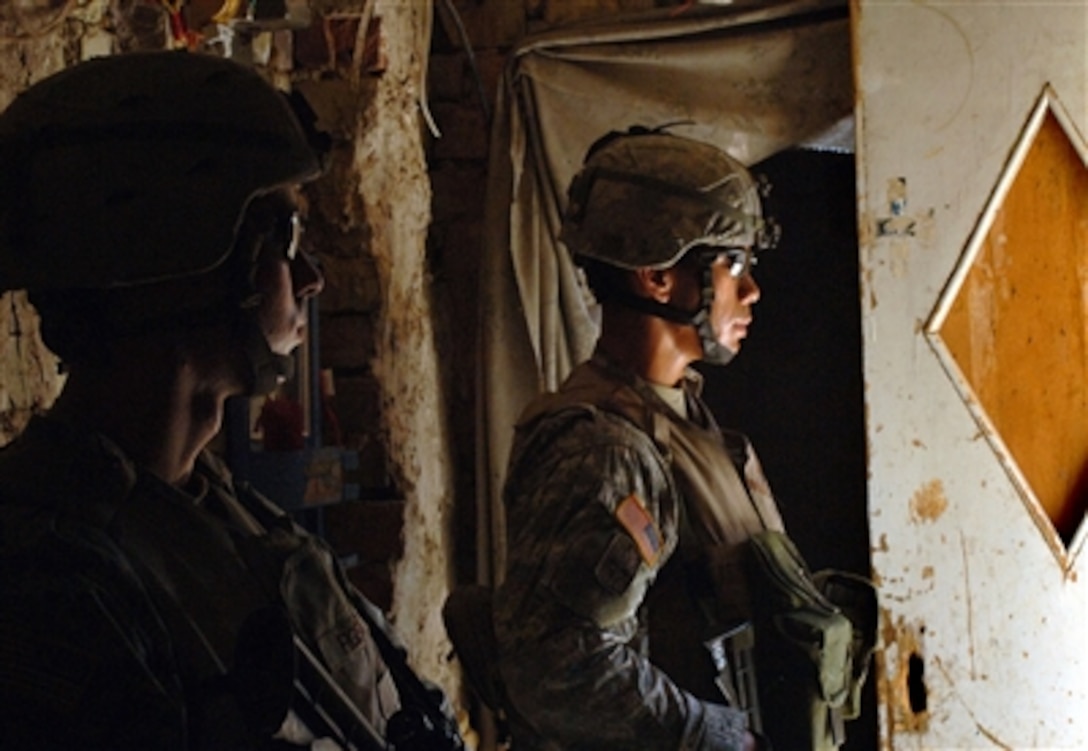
(903, 688)
(982, 634)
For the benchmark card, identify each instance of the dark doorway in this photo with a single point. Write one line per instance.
(796, 388)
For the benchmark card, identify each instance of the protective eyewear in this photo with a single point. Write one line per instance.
(741, 260)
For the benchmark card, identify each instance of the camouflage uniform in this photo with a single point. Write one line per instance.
(121, 600)
(599, 506)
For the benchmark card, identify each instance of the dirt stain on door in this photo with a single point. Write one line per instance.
(929, 502)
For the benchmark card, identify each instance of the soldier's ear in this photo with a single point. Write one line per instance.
(656, 284)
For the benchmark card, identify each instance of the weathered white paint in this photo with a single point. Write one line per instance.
(967, 582)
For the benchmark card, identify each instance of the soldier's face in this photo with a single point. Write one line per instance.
(285, 277)
(735, 292)
(731, 309)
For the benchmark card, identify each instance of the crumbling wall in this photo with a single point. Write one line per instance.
(36, 39)
(363, 70)
(396, 200)
(29, 380)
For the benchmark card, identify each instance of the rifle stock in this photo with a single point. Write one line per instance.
(326, 710)
(421, 724)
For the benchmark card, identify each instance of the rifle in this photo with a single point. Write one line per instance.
(733, 655)
(326, 710)
(421, 724)
(304, 685)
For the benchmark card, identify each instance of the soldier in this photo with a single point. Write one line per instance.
(622, 491)
(151, 207)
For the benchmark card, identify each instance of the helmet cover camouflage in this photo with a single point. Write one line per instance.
(644, 198)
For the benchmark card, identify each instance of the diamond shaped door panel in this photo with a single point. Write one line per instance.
(1012, 325)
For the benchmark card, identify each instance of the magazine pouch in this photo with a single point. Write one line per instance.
(804, 647)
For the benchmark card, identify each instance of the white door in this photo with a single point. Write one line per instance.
(973, 219)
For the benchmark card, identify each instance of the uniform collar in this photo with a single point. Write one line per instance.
(691, 381)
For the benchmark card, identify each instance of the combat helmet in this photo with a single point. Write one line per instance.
(97, 160)
(645, 197)
(134, 169)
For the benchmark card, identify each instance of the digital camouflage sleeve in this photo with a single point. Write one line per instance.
(592, 516)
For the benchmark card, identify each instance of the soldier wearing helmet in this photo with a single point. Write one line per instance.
(601, 617)
(151, 207)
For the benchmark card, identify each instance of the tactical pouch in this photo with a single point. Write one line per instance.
(805, 647)
(855, 596)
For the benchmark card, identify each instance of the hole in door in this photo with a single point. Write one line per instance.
(916, 684)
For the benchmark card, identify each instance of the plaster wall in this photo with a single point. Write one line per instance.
(395, 193)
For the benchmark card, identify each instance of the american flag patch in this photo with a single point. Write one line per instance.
(634, 517)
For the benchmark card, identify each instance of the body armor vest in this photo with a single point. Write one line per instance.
(725, 499)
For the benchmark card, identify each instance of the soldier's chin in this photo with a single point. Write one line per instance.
(732, 344)
(717, 354)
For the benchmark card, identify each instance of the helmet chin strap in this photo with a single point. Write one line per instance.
(267, 370)
(713, 352)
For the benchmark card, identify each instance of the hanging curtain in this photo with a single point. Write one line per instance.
(752, 78)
